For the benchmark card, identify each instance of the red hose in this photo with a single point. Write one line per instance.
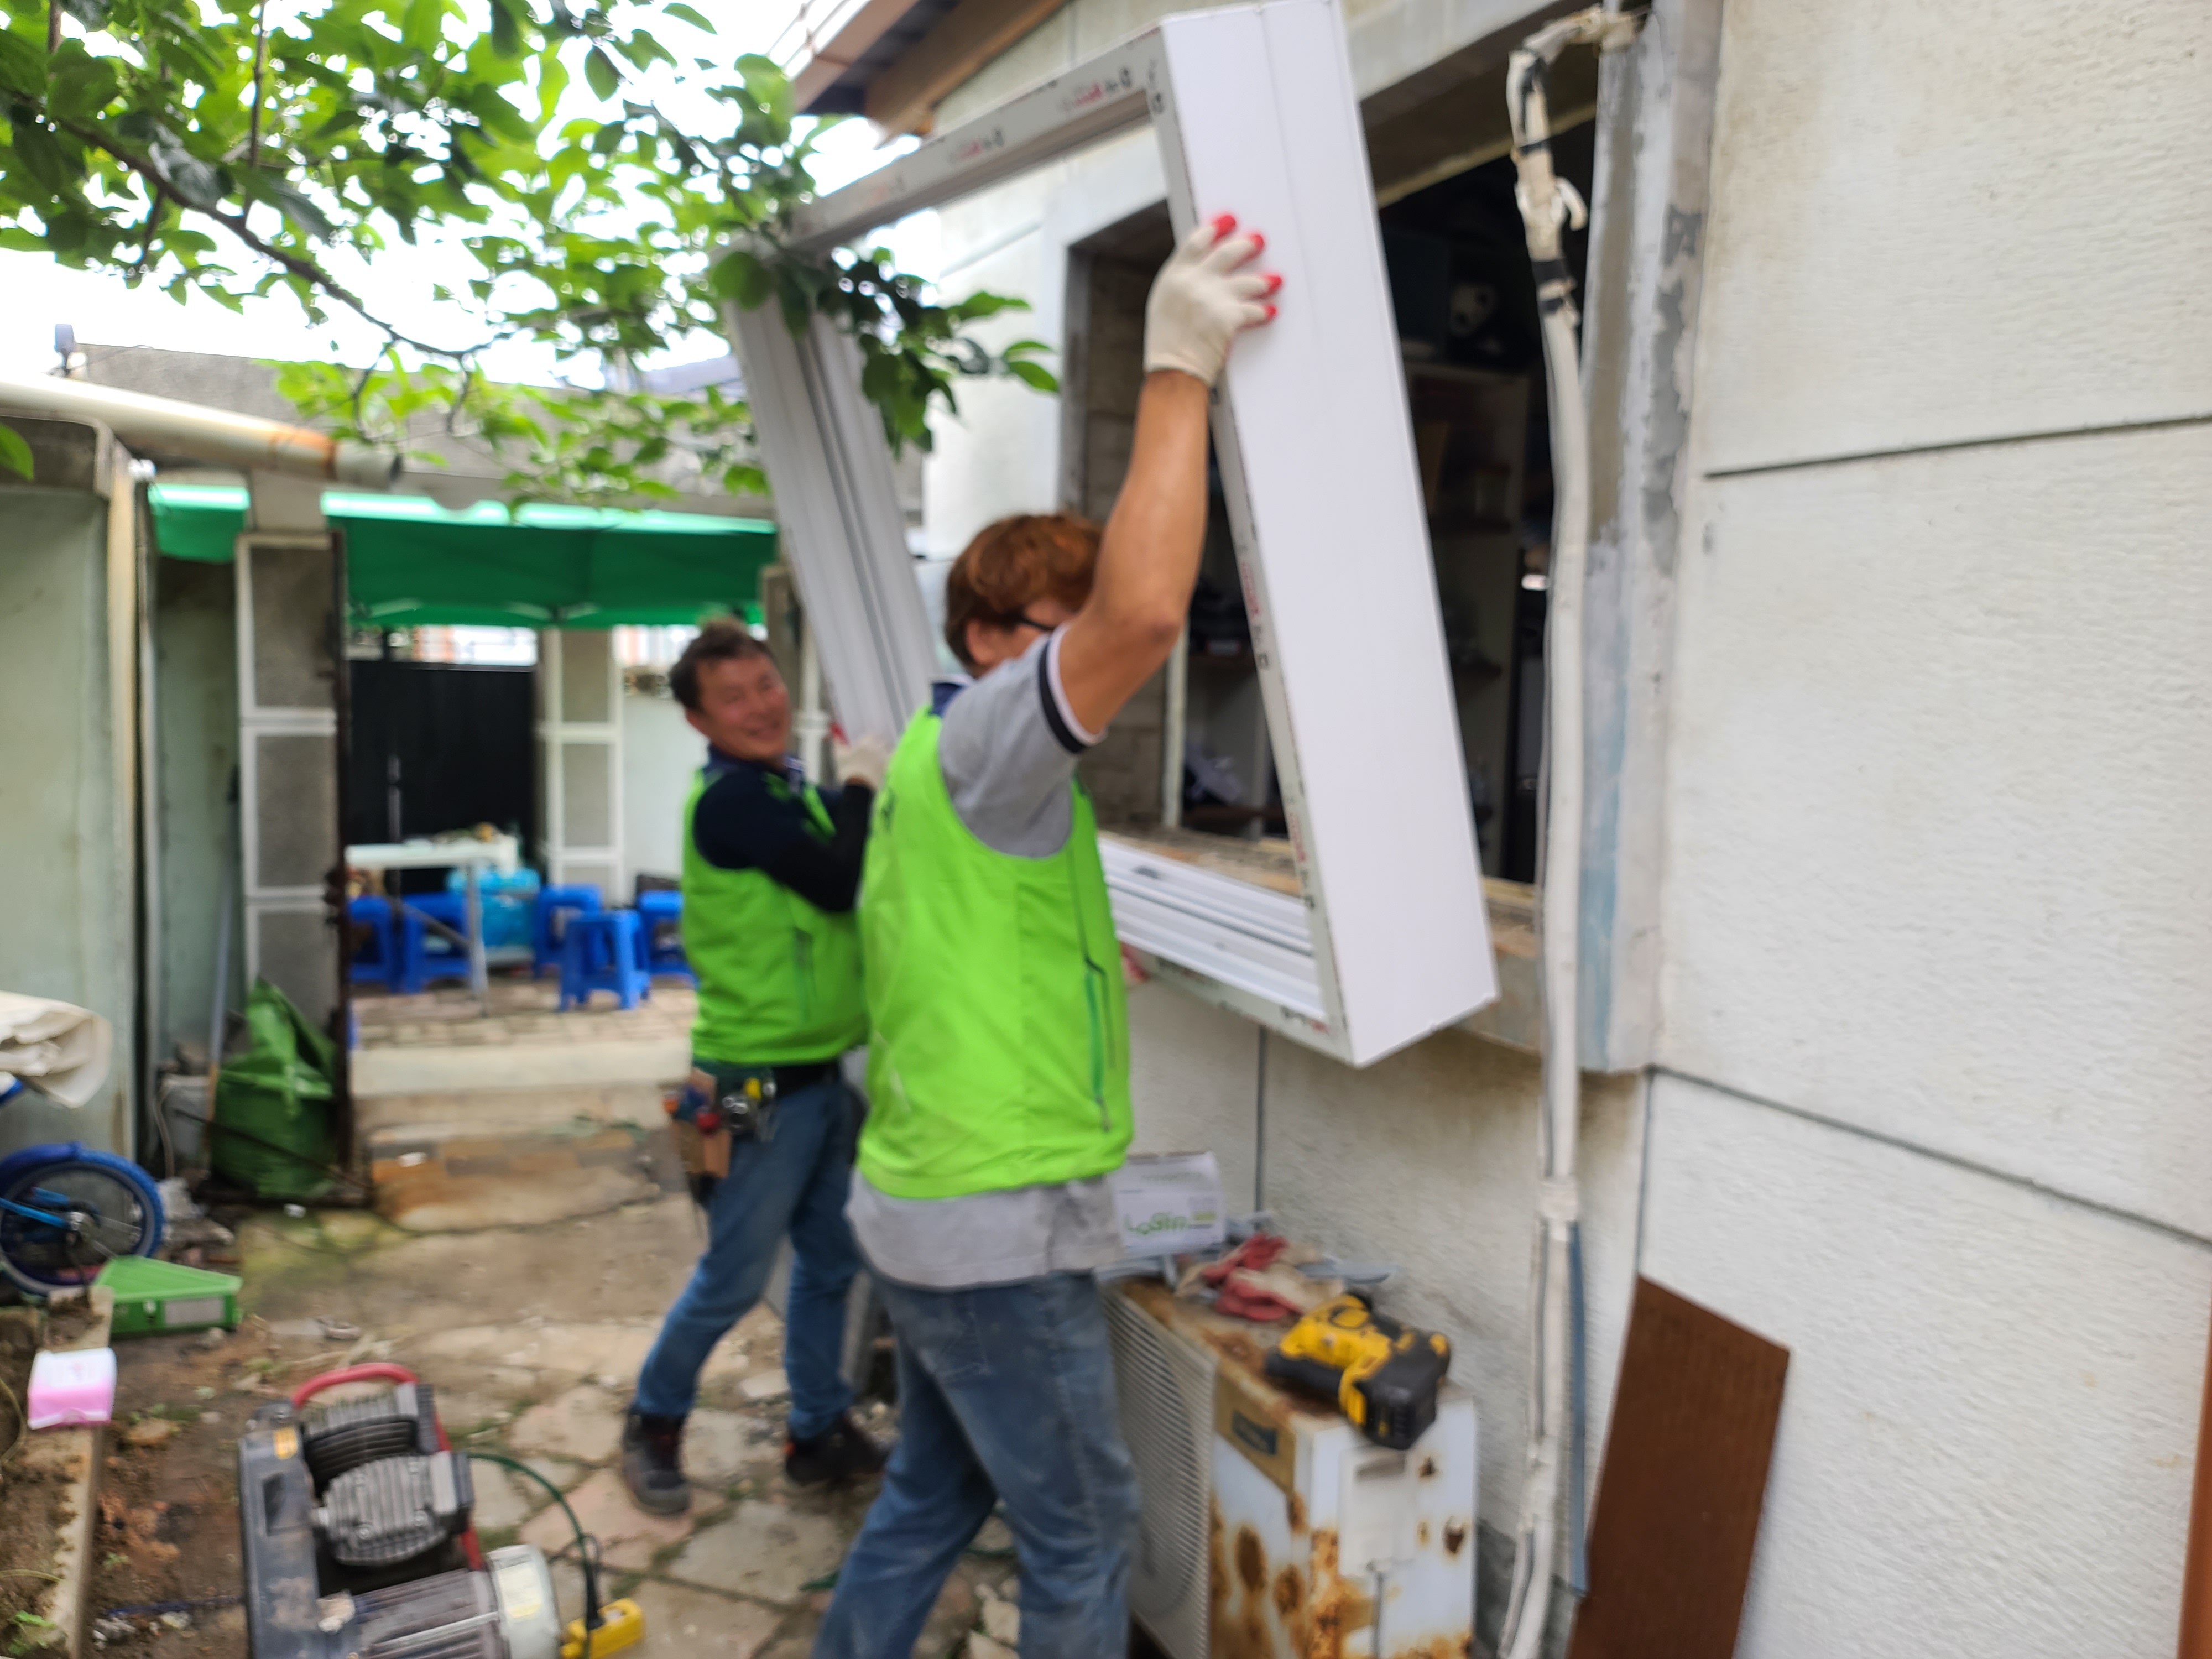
(383, 1370)
(378, 1370)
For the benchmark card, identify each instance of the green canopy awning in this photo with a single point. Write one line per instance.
(411, 561)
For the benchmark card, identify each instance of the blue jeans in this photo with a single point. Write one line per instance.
(1005, 1391)
(795, 1182)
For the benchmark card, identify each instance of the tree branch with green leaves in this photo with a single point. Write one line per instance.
(243, 149)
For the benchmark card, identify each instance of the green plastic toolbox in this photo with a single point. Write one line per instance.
(153, 1297)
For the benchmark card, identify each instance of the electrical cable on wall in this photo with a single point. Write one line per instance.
(1549, 204)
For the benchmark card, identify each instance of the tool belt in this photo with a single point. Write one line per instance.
(720, 1102)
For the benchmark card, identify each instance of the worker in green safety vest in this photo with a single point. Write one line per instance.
(998, 1045)
(771, 865)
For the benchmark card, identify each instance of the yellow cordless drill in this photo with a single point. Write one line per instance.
(1381, 1374)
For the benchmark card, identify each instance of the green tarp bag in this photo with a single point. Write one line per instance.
(278, 1092)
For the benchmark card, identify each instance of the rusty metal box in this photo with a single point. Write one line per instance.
(1273, 1528)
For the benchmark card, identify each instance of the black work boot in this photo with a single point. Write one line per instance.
(838, 1453)
(652, 1462)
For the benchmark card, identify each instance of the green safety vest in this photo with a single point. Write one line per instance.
(779, 979)
(999, 1041)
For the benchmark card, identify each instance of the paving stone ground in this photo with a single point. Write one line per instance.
(532, 1337)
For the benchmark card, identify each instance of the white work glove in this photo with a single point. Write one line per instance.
(1204, 296)
(863, 760)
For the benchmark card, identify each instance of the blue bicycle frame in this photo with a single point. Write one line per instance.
(64, 1217)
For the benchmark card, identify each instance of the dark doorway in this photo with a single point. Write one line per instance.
(1467, 322)
(438, 746)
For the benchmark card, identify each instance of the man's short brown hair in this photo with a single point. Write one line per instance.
(1013, 564)
(724, 639)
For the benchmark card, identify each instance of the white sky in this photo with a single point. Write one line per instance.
(40, 293)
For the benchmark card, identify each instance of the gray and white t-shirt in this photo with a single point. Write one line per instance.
(1008, 750)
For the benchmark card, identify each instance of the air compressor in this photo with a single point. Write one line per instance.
(357, 1522)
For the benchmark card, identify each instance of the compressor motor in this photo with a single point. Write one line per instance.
(358, 1545)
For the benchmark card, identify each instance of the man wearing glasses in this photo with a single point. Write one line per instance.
(999, 1052)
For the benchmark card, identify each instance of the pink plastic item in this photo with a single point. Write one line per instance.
(75, 1387)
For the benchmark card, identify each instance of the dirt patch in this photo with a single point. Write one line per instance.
(69, 1320)
(31, 1499)
(168, 1512)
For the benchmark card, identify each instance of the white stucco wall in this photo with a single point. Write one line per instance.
(1937, 932)
(1002, 454)
(1990, 1414)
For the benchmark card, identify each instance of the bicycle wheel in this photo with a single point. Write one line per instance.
(62, 1222)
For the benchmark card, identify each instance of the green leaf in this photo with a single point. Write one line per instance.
(506, 30)
(92, 14)
(1033, 374)
(81, 85)
(599, 72)
(986, 305)
(41, 157)
(14, 452)
(22, 66)
(502, 118)
(552, 82)
(880, 381)
(423, 23)
(191, 180)
(741, 276)
(691, 15)
(641, 49)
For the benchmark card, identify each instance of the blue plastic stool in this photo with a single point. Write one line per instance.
(660, 909)
(393, 955)
(604, 951)
(554, 905)
(449, 960)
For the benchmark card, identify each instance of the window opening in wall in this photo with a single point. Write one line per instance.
(1321, 492)
(1220, 780)
(1465, 307)
(1466, 310)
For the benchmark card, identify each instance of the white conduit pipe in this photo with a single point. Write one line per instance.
(216, 435)
(1548, 204)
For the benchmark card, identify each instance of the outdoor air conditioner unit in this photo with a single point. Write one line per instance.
(1272, 1528)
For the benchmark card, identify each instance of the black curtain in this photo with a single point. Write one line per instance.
(438, 746)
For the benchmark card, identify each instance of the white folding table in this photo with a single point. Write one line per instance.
(473, 858)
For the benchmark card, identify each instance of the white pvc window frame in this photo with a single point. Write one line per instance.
(1257, 115)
